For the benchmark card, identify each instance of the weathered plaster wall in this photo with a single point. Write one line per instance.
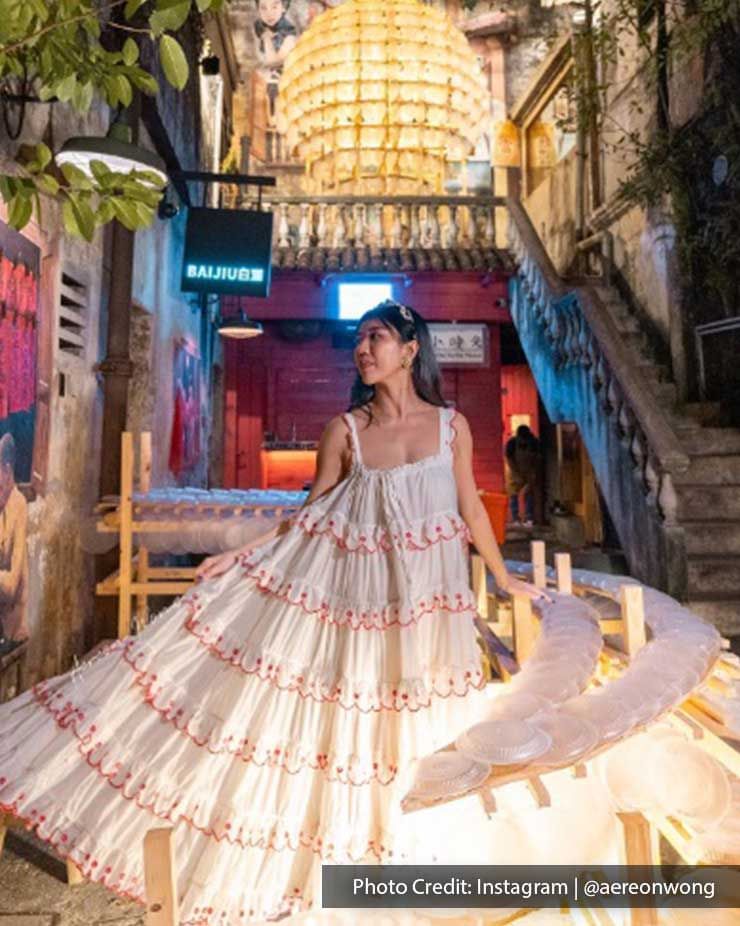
(552, 208)
(60, 600)
(170, 316)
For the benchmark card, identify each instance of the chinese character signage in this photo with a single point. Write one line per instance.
(460, 345)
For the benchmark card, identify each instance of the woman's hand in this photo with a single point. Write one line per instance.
(519, 587)
(213, 566)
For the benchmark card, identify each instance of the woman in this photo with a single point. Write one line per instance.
(273, 714)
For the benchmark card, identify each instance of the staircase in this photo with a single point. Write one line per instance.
(669, 473)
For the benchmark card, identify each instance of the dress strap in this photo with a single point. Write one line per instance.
(448, 432)
(352, 424)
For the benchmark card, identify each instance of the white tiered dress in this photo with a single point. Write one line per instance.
(272, 714)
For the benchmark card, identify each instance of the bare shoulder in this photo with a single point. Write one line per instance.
(335, 432)
(459, 425)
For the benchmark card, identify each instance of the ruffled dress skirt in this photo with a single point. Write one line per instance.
(272, 715)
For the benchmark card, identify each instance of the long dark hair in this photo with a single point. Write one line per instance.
(425, 374)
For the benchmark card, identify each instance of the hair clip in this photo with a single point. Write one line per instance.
(406, 312)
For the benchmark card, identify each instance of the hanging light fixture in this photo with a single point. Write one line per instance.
(381, 97)
(240, 327)
(115, 150)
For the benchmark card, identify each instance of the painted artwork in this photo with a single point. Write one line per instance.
(186, 439)
(13, 550)
(19, 285)
(20, 262)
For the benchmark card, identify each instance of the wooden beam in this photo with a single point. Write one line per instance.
(74, 875)
(525, 628)
(564, 579)
(478, 570)
(539, 566)
(159, 878)
(126, 535)
(633, 618)
(640, 848)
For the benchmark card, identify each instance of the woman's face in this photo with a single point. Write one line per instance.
(379, 351)
(270, 11)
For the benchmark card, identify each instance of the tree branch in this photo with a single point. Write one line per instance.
(7, 49)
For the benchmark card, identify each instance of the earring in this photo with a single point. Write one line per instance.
(405, 363)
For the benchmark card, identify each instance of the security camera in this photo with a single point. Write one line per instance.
(210, 65)
(167, 209)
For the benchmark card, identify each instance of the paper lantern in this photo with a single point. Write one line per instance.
(380, 97)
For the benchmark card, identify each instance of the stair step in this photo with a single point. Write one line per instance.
(707, 413)
(711, 469)
(710, 441)
(712, 537)
(723, 612)
(653, 372)
(696, 502)
(666, 394)
(714, 576)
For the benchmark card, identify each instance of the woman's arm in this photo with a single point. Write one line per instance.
(475, 515)
(332, 461)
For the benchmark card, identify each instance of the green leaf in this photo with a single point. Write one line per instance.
(145, 82)
(145, 214)
(130, 52)
(66, 87)
(43, 155)
(105, 212)
(76, 177)
(125, 213)
(100, 171)
(47, 184)
(84, 216)
(19, 211)
(132, 7)
(82, 97)
(203, 5)
(70, 219)
(8, 187)
(149, 177)
(174, 62)
(123, 87)
(169, 18)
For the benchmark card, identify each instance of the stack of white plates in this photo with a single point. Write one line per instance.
(446, 774)
(504, 742)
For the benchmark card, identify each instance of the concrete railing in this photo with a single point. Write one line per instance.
(586, 374)
(396, 222)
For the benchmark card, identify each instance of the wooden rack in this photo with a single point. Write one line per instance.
(122, 515)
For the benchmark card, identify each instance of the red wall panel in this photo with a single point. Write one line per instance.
(518, 397)
(273, 385)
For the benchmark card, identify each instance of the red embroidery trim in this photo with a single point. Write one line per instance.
(93, 870)
(67, 719)
(275, 756)
(386, 542)
(401, 699)
(354, 617)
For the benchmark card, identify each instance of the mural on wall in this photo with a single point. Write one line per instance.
(13, 551)
(19, 288)
(186, 442)
(19, 285)
(264, 33)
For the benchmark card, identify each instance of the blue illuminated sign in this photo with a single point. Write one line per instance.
(227, 251)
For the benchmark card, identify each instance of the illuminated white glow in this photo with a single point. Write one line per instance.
(356, 298)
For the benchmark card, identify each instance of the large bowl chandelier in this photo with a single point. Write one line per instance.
(379, 96)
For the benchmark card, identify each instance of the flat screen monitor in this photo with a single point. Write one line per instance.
(356, 298)
(228, 251)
